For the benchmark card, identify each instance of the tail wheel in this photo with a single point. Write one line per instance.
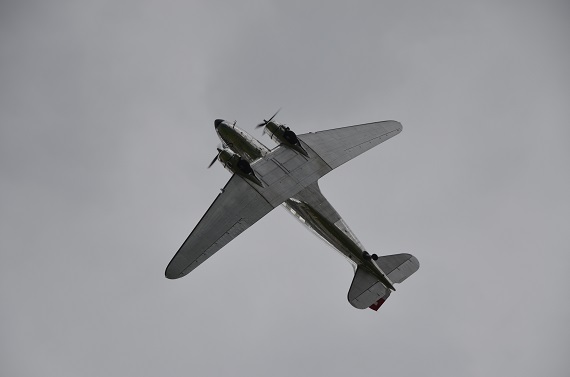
(374, 256)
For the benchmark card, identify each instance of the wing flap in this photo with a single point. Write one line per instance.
(235, 209)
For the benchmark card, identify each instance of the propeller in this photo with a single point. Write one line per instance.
(215, 158)
(264, 123)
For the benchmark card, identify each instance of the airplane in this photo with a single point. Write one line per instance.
(288, 175)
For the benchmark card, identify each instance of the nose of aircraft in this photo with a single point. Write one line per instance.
(217, 122)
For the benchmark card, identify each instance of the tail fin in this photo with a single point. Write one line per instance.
(367, 291)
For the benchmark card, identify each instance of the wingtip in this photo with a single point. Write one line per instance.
(399, 126)
(171, 274)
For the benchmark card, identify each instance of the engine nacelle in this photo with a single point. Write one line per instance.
(290, 137)
(283, 135)
(237, 165)
(244, 166)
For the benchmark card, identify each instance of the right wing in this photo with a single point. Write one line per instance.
(237, 208)
(340, 145)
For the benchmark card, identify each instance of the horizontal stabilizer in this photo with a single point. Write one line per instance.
(398, 267)
(366, 289)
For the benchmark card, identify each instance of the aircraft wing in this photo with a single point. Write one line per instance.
(235, 209)
(340, 145)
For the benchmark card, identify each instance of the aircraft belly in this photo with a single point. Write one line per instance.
(327, 230)
(285, 172)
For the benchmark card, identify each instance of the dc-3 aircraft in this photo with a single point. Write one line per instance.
(287, 175)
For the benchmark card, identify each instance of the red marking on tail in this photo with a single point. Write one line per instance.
(377, 304)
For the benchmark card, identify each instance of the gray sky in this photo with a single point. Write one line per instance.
(106, 121)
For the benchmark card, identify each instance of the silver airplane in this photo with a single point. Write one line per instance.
(287, 175)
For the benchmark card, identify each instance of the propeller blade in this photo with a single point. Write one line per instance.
(214, 160)
(219, 148)
(270, 119)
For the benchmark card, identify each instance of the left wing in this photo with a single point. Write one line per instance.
(237, 208)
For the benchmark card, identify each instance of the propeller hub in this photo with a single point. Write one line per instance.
(266, 122)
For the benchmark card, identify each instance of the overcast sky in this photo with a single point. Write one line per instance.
(106, 129)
